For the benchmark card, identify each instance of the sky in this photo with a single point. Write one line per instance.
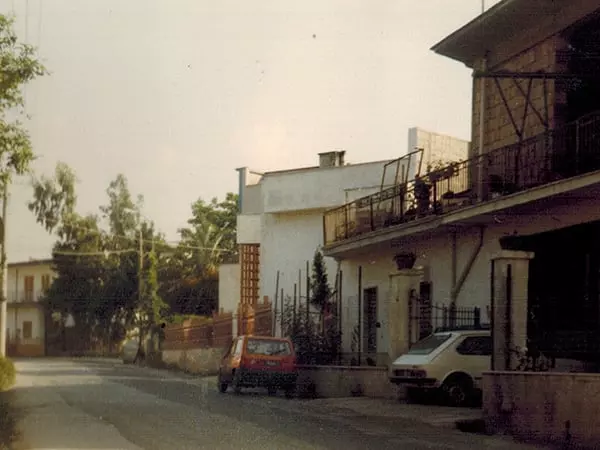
(177, 94)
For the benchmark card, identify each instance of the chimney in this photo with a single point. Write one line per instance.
(332, 159)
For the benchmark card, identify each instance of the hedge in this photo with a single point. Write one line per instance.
(8, 374)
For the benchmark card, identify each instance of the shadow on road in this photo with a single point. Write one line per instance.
(10, 415)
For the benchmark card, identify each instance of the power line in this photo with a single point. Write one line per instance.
(151, 241)
(98, 253)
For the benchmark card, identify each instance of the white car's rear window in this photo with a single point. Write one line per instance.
(429, 344)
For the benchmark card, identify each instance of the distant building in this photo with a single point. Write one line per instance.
(27, 282)
(437, 149)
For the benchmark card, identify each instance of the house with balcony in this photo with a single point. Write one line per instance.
(27, 282)
(531, 183)
(280, 225)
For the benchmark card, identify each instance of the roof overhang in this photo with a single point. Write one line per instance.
(500, 23)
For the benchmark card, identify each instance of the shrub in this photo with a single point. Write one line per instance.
(8, 373)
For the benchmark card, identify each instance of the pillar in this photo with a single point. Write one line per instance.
(510, 277)
(403, 285)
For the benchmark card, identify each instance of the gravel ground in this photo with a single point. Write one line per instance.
(102, 404)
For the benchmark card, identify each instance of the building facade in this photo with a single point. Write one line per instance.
(531, 183)
(27, 282)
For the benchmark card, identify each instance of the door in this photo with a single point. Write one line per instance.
(474, 355)
(28, 288)
(370, 324)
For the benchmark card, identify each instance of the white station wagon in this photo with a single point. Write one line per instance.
(451, 360)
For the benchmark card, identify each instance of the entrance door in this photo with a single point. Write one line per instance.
(370, 320)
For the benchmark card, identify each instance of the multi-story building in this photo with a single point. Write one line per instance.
(27, 282)
(531, 182)
(280, 226)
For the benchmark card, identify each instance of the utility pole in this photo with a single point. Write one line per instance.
(140, 295)
(3, 270)
(140, 268)
(482, 6)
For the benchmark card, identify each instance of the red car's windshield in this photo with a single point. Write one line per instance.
(268, 347)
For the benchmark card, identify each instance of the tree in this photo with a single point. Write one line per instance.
(54, 199)
(189, 280)
(222, 215)
(18, 66)
(100, 280)
(320, 289)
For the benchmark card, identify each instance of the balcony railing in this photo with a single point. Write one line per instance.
(24, 297)
(551, 156)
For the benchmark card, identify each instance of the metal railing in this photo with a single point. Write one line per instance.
(551, 156)
(24, 297)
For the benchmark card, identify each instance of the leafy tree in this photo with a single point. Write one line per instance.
(189, 280)
(18, 66)
(98, 271)
(222, 215)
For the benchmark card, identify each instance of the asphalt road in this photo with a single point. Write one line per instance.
(95, 404)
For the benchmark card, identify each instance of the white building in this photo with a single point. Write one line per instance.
(281, 222)
(27, 282)
(436, 149)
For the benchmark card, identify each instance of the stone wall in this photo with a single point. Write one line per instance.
(498, 127)
(550, 408)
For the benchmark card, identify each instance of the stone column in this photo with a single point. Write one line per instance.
(510, 307)
(403, 284)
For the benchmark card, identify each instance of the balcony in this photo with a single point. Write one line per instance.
(555, 155)
(24, 298)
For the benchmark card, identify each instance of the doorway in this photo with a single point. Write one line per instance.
(370, 320)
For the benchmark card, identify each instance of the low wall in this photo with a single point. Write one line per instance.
(551, 408)
(340, 381)
(203, 361)
(30, 349)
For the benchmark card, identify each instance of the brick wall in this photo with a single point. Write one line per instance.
(498, 127)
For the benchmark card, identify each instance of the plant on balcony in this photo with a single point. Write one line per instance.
(439, 170)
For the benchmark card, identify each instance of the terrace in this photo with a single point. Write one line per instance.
(557, 154)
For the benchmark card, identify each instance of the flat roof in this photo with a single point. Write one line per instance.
(31, 262)
(496, 25)
(306, 169)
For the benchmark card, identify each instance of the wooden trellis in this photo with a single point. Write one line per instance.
(250, 264)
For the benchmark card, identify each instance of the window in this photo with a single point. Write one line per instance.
(27, 330)
(45, 283)
(268, 347)
(28, 288)
(238, 347)
(476, 346)
(429, 344)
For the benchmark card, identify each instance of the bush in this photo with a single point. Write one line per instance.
(8, 373)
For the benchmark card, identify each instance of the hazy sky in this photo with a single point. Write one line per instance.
(176, 94)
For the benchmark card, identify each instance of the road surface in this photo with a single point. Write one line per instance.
(100, 404)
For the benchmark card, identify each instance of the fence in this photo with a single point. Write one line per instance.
(200, 333)
(557, 154)
(218, 331)
(257, 319)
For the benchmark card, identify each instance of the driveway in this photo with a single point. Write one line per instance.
(101, 404)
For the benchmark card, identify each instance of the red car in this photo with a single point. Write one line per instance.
(259, 361)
